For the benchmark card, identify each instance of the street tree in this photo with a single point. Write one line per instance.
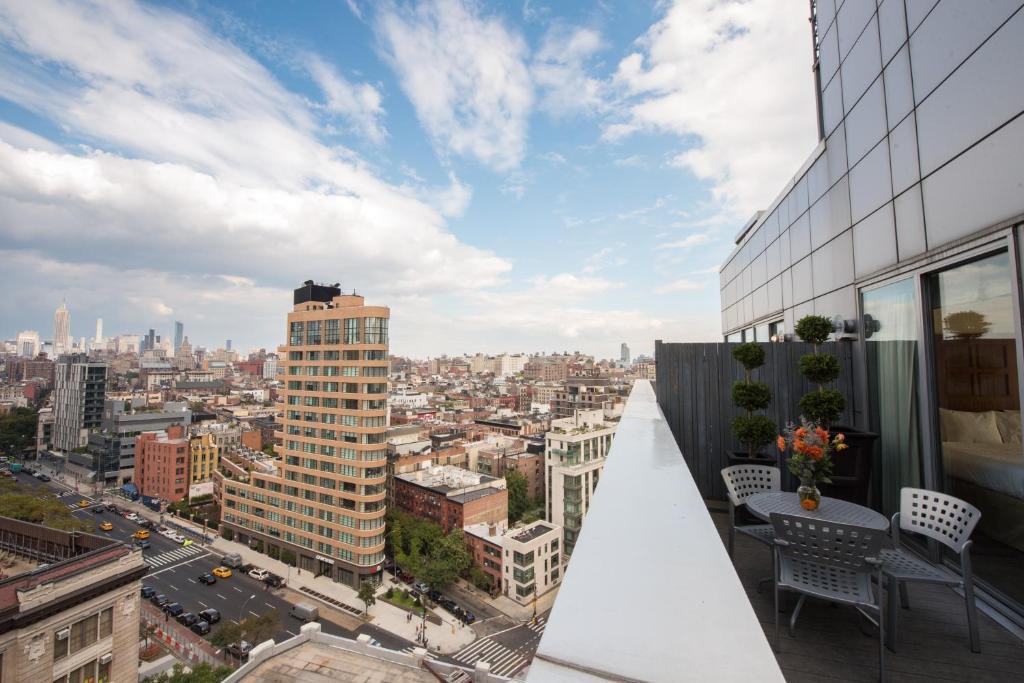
(198, 673)
(518, 495)
(448, 559)
(367, 593)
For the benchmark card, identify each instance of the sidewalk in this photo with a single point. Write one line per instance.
(510, 607)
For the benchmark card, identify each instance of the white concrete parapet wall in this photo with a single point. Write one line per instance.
(650, 593)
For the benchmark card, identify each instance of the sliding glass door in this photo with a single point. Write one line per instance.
(972, 328)
(891, 323)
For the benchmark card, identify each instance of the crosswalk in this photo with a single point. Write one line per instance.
(408, 651)
(538, 627)
(175, 555)
(503, 661)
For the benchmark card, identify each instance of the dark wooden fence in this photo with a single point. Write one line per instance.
(694, 390)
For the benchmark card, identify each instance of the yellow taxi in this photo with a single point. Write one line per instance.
(84, 503)
(141, 534)
(221, 572)
(106, 526)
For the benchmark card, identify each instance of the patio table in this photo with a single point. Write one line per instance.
(762, 505)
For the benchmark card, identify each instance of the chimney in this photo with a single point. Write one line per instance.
(491, 529)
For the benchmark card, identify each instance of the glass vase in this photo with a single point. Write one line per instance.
(810, 496)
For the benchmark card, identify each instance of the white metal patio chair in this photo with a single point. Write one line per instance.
(835, 562)
(949, 521)
(741, 482)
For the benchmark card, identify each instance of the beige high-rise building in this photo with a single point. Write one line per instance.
(322, 499)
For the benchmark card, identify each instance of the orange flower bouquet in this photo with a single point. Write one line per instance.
(811, 461)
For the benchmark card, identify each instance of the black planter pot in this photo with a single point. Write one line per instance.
(743, 458)
(851, 473)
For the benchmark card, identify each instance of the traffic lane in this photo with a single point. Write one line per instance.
(124, 530)
(231, 596)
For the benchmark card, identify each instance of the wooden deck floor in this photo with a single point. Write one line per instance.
(829, 644)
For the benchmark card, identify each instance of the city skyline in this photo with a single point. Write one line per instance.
(580, 193)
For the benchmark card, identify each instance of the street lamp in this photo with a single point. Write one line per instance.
(243, 607)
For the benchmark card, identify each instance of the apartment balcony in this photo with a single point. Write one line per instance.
(694, 614)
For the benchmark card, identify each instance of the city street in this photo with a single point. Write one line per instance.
(174, 570)
(508, 651)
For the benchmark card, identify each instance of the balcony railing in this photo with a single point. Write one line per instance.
(689, 618)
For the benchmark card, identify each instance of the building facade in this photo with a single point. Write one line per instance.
(451, 496)
(533, 561)
(905, 225)
(581, 394)
(79, 391)
(575, 452)
(61, 330)
(72, 615)
(325, 500)
(162, 464)
(204, 455)
(27, 343)
(111, 450)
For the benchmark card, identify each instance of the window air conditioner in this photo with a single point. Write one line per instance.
(63, 634)
(105, 659)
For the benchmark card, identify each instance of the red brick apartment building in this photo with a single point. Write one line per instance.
(452, 497)
(162, 463)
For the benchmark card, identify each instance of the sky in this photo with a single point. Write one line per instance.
(507, 176)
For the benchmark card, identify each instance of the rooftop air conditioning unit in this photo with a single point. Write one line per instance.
(105, 659)
(63, 634)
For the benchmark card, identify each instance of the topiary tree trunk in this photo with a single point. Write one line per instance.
(752, 430)
(824, 406)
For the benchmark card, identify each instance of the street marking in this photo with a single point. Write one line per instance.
(172, 586)
(191, 580)
(202, 604)
(253, 613)
(220, 596)
(408, 650)
(179, 565)
(234, 622)
(269, 605)
(292, 632)
(237, 589)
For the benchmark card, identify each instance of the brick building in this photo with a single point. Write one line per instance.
(162, 464)
(511, 455)
(484, 544)
(452, 497)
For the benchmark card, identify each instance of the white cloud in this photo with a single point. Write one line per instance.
(559, 70)
(466, 76)
(553, 157)
(199, 161)
(359, 103)
(680, 285)
(633, 161)
(687, 242)
(735, 76)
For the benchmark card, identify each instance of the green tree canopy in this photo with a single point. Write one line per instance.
(518, 495)
(421, 548)
(199, 673)
(17, 431)
(367, 594)
(39, 507)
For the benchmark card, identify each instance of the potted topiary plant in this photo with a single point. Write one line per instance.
(822, 407)
(753, 430)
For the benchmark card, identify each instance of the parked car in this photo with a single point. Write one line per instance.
(174, 608)
(211, 615)
(106, 526)
(222, 572)
(232, 560)
(207, 579)
(187, 618)
(42, 477)
(143, 544)
(201, 628)
(146, 524)
(259, 574)
(240, 650)
(304, 611)
(274, 581)
(159, 600)
(470, 617)
(96, 509)
(422, 587)
(148, 592)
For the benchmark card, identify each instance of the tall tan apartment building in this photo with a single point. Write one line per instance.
(322, 500)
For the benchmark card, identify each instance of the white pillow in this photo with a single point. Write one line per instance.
(1008, 422)
(963, 426)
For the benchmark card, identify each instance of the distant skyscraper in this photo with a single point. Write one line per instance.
(28, 343)
(624, 353)
(61, 330)
(229, 345)
(149, 341)
(99, 332)
(179, 334)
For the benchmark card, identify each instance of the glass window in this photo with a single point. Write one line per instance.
(351, 331)
(777, 331)
(762, 333)
(297, 335)
(313, 332)
(331, 334)
(734, 338)
(376, 330)
(972, 324)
